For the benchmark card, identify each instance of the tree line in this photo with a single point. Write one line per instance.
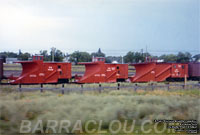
(181, 57)
(78, 56)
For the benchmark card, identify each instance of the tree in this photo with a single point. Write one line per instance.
(45, 54)
(24, 56)
(9, 54)
(98, 54)
(57, 54)
(136, 57)
(184, 57)
(196, 57)
(180, 57)
(80, 57)
(169, 58)
(139, 57)
(129, 57)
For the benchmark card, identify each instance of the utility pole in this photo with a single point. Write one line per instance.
(53, 49)
(146, 59)
(142, 52)
(146, 50)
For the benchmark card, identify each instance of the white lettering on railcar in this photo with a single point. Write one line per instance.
(103, 75)
(176, 71)
(41, 74)
(108, 69)
(50, 68)
(32, 75)
(59, 69)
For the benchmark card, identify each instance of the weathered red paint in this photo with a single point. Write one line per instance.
(158, 72)
(98, 72)
(37, 71)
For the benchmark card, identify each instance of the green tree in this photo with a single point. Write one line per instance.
(184, 57)
(136, 57)
(169, 58)
(129, 57)
(80, 57)
(139, 57)
(24, 56)
(9, 54)
(58, 55)
(45, 54)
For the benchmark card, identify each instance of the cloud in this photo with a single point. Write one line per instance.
(20, 23)
(90, 24)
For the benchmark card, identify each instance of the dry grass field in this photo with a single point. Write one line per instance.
(110, 105)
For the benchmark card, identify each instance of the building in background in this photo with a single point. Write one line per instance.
(11, 60)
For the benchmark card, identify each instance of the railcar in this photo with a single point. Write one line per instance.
(194, 71)
(158, 72)
(98, 71)
(37, 71)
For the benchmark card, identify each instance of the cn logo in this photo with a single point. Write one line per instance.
(50, 68)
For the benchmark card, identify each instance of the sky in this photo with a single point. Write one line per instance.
(115, 26)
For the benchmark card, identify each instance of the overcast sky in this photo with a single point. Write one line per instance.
(115, 26)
